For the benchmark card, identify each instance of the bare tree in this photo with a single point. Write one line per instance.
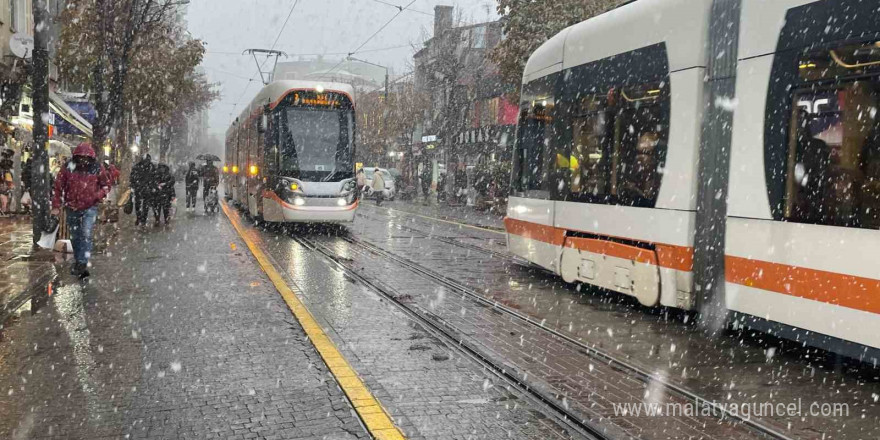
(98, 41)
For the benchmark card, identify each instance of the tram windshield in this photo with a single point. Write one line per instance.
(317, 143)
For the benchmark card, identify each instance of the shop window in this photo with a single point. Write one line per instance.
(832, 171)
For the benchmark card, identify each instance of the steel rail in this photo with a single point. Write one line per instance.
(549, 405)
(609, 359)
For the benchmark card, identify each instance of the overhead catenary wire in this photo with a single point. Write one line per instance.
(404, 8)
(280, 32)
(315, 54)
(401, 8)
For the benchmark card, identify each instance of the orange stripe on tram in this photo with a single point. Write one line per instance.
(849, 291)
(667, 255)
(613, 249)
(535, 231)
(818, 285)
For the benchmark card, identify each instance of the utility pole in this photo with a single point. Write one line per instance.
(40, 190)
(351, 58)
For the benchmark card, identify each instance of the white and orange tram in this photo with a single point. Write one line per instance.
(290, 155)
(713, 155)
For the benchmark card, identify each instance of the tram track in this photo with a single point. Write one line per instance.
(549, 405)
(598, 354)
(453, 241)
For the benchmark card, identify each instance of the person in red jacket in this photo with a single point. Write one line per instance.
(79, 188)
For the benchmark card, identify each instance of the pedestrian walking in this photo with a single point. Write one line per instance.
(210, 180)
(7, 185)
(378, 186)
(192, 186)
(26, 174)
(81, 185)
(163, 194)
(426, 181)
(361, 180)
(141, 178)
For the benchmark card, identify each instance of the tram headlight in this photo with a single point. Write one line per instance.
(235, 169)
(299, 201)
(289, 187)
(342, 201)
(225, 168)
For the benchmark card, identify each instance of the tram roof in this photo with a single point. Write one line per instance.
(626, 28)
(278, 89)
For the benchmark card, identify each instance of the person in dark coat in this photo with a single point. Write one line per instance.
(192, 185)
(141, 179)
(163, 193)
(426, 180)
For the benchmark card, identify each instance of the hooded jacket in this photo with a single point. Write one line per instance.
(80, 189)
(164, 184)
(141, 175)
(378, 181)
(192, 178)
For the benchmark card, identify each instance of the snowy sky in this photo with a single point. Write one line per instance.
(316, 26)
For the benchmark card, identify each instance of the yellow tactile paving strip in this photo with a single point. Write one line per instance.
(374, 416)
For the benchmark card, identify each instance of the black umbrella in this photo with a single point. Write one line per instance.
(208, 157)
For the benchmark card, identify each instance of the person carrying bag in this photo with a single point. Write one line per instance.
(80, 187)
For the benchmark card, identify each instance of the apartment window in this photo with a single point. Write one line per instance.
(478, 37)
(13, 15)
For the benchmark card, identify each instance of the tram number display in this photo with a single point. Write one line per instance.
(318, 100)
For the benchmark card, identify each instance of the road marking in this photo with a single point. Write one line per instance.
(480, 228)
(370, 411)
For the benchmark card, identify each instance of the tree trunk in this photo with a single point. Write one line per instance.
(146, 135)
(126, 157)
(165, 141)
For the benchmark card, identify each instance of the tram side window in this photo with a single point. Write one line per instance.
(639, 132)
(833, 168)
(590, 162)
(533, 157)
(271, 146)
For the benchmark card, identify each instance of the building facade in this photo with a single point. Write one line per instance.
(470, 122)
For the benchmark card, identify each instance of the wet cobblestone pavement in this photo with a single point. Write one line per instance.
(24, 271)
(431, 391)
(179, 335)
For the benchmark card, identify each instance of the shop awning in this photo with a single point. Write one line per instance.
(60, 108)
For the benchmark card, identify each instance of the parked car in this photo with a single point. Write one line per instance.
(390, 188)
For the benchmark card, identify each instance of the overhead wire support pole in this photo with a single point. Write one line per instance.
(40, 183)
(351, 58)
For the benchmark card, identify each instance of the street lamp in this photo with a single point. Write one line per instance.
(351, 58)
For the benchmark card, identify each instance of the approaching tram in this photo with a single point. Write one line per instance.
(712, 155)
(290, 155)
